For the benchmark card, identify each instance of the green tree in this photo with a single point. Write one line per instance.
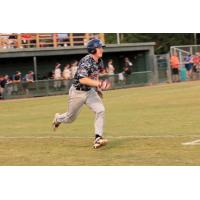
(163, 40)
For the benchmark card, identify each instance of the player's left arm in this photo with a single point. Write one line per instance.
(90, 82)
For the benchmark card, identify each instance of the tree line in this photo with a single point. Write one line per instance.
(163, 40)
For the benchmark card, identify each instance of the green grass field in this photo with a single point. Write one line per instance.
(145, 126)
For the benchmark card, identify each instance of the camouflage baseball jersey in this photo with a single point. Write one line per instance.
(87, 67)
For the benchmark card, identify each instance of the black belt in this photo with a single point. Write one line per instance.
(83, 89)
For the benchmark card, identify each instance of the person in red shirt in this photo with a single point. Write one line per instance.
(25, 39)
(174, 62)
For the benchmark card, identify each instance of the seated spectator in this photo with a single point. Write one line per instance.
(12, 41)
(63, 38)
(4, 41)
(26, 40)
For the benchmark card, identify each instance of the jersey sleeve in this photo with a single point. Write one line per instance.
(83, 69)
(82, 72)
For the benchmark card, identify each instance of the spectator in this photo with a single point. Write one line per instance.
(12, 40)
(196, 67)
(7, 40)
(127, 66)
(188, 65)
(127, 69)
(4, 40)
(5, 85)
(67, 75)
(94, 35)
(174, 62)
(16, 81)
(110, 70)
(26, 40)
(29, 79)
(74, 66)
(63, 39)
(57, 76)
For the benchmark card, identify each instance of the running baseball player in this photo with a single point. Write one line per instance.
(87, 89)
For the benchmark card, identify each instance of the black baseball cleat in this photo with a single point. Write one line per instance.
(55, 124)
(99, 142)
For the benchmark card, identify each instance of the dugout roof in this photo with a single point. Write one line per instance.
(48, 51)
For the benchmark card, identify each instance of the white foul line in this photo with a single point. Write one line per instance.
(195, 142)
(87, 137)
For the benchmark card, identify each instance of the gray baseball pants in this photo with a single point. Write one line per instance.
(75, 102)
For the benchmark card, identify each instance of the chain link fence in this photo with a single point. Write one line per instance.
(164, 69)
(182, 53)
(59, 87)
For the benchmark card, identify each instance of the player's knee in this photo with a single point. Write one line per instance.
(100, 111)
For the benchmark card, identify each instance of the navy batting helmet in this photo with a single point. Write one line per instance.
(93, 44)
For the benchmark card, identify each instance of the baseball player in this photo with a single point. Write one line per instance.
(85, 89)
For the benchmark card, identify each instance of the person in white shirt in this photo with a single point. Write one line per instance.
(57, 76)
(29, 79)
(74, 66)
(110, 67)
(67, 76)
(110, 70)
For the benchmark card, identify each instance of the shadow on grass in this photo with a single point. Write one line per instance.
(114, 144)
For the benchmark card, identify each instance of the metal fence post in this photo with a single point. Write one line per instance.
(155, 70)
(169, 73)
(35, 67)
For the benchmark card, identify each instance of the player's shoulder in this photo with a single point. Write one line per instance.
(86, 60)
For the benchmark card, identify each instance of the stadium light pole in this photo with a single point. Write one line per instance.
(118, 38)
